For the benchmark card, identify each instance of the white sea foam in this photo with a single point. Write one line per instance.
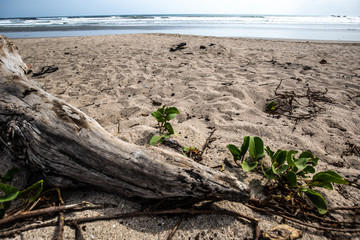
(180, 19)
(264, 26)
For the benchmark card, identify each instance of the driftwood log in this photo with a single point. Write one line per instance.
(45, 134)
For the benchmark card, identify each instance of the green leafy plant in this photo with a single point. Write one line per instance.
(10, 193)
(287, 170)
(163, 115)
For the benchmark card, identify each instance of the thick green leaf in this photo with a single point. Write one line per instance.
(253, 165)
(306, 154)
(314, 161)
(309, 169)
(256, 148)
(301, 163)
(275, 156)
(163, 137)
(234, 151)
(32, 193)
(280, 169)
(268, 173)
(269, 152)
(10, 192)
(171, 110)
(158, 116)
(311, 159)
(279, 157)
(162, 109)
(290, 155)
(292, 178)
(169, 128)
(317, 200)
(154, 140)
(170, 116)
(329, 176)
(326, 185)
(171, 113)
(9, 175)
(244, 146)
(246, 167)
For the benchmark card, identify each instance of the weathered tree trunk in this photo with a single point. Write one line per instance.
(49, 135)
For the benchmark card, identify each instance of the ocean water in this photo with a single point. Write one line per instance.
(332, 28)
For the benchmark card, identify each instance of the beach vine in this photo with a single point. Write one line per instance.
(292, 178)
(290, 174)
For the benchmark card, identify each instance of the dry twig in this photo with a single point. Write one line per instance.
(291, 104)
(191, 211)
(175, 228)
(46, 211)
(345, 230)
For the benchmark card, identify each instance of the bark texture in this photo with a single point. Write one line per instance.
(46, 134)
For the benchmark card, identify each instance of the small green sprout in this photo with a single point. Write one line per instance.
(271, 106)
(163, 115)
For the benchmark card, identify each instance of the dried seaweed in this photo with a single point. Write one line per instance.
(297, 106)
(351, 150)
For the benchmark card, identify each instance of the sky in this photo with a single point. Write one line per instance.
(41, 8)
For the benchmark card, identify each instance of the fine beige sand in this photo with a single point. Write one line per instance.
(225, 84)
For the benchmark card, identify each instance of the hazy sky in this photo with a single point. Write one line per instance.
(36, 8)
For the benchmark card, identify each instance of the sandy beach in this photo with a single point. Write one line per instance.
(216, 83)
